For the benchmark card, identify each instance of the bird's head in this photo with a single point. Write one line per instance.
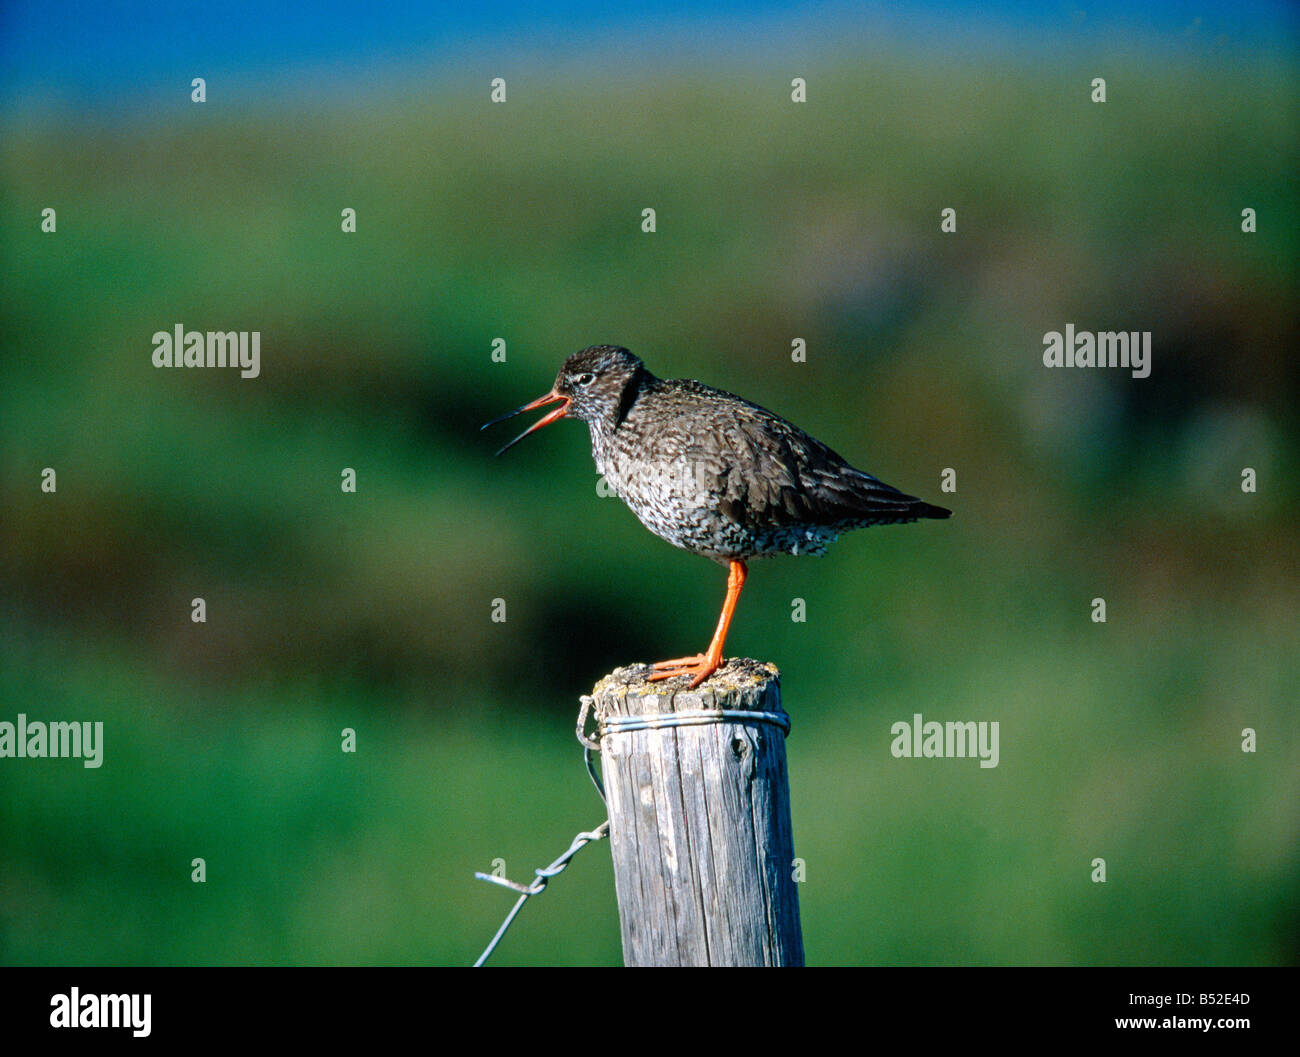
(595, 379)
(591, 385)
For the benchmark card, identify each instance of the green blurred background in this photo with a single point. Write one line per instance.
(521, 221)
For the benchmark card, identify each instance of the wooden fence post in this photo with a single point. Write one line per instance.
(699, 811)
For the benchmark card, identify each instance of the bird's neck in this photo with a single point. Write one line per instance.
(637, 383)
(604, 428)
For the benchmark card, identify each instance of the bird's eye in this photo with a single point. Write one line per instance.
(585, 378)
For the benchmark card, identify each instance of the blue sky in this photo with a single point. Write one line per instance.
(104, 52)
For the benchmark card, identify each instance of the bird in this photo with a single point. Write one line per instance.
(713, 473)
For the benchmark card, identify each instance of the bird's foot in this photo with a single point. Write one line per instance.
(699, 667)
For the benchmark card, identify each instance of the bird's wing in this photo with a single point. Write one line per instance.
(770, 473)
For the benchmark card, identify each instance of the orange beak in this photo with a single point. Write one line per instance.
(545, 420)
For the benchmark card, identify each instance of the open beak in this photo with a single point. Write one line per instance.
(545, 420)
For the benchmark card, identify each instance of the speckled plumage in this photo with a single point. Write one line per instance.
(715, 474)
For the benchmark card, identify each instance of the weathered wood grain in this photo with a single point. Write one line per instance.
(700, 823)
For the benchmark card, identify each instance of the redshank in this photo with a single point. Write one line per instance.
(713, 474)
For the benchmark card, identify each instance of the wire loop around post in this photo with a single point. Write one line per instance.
(665, 720)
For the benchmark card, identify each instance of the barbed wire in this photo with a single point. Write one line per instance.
(542, 877)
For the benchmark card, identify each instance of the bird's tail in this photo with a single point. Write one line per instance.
(923, 509)
(873, 502)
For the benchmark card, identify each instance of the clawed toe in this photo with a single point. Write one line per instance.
(694, 660)
(699, 667)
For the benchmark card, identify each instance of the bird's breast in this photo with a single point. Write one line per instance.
(674, 493)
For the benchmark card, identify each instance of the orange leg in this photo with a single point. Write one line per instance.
(703, 665)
